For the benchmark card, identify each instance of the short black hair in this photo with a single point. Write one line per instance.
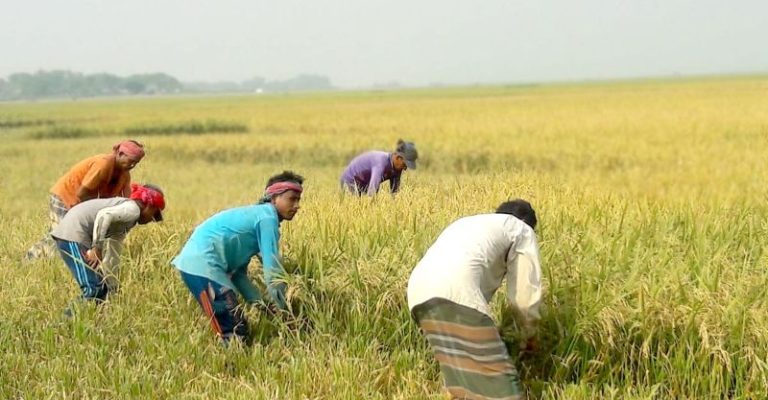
(285, 176)
(154, 187)
(520, 209)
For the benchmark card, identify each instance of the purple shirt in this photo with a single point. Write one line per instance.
(368, 170)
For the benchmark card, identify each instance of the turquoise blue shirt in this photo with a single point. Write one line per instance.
(222, 246)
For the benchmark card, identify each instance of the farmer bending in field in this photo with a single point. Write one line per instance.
(89, 237)
(450, 288)
(368, 170)
(214, 261)
(100, 176)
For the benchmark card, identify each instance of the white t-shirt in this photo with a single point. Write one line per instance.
(471, 257)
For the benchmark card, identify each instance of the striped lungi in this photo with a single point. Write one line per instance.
(473, 360)
(57, 209)
(46, 247)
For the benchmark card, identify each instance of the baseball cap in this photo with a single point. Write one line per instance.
(409, 153)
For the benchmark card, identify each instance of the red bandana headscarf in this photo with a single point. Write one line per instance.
(147, 195)
(282, 187)
(130, 148)
(279, 188)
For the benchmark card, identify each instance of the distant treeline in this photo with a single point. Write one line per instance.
(68, 84)
(260, 85)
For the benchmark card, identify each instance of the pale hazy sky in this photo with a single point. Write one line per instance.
(359, 43)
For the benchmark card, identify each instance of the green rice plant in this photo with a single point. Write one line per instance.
(14, 122)
(62, 132)
(186, 128)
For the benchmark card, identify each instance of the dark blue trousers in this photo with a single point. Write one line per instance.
(92, 284)
(221, 306)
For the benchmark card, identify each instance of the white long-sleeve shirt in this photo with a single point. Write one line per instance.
(471, 257)
(115, 222)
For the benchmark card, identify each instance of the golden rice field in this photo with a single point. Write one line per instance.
(653, 225)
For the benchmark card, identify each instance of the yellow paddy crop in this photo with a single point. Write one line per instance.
(651, 199)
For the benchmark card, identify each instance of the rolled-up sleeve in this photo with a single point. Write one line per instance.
(524, 289)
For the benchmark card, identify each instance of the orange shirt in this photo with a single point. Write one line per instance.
(94, 173)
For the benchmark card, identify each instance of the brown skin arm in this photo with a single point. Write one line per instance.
(531, 345)
(83, 193)
(510, 318)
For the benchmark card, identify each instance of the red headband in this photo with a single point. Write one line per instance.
(147, 195)
(130, 148)
(282, 187)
